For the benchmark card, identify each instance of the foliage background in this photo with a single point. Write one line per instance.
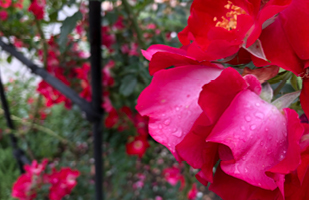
(64, 137)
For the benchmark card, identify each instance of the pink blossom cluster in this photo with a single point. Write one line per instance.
(37, 7)
(30, 183)
(5, 4)
(210, 113)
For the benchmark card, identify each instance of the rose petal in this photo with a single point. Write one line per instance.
(170, 101)
(253, 129)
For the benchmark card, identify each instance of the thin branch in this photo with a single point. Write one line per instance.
(40, 128)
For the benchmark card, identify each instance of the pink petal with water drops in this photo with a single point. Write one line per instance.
(295, 131)
(218, 94)
(256, 133)
(170, 102)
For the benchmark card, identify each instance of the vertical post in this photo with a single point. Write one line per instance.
(18, 153)
(96, 85)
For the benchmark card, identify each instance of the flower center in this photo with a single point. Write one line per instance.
(229, 21)
(138, 144)
(304, 74)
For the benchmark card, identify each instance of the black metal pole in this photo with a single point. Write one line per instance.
(85, 106)
(96, 85)
(18, 153)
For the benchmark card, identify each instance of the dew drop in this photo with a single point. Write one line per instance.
(178, 133)
(160, 126)
(174, 130)
(248, 118)
(243, 128)
(167, 122)
(177, 108)
(285, 133)
(262, 143)
(252, 127)
(266, 129)
(246, 170)
(236, 169)
(259, 115)
(236, 136)
(189, 113)
(270, 136)
(152, 126)
(257, 104)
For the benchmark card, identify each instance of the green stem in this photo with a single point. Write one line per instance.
(283, 82)
(135, 26)
(45, 46)
(41, 128)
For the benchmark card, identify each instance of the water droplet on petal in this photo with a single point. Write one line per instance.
(177, 108)
(270, 136)
(246, 170)
(243, 128)
(236, 169)
(266, 129)
(248, 118)
(259, 115)
(252, 127)
(160, 126)
(167, 122)
(285, 133)
(257, 104)
(178, 133)
(236, 136)
(174, 130)
(152, 126)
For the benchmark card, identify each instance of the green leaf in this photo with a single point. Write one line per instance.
(128, 85)
(9, 59)
(286, 100)
(53, 16)
(67, 27)
(267, 92)
(278, 78)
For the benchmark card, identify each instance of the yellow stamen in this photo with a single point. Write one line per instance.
(230, 21)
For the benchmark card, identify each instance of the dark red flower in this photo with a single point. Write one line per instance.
(172, 175)
(138, 146)
(62, 182)
(37, 8)
(192, 194)
(3, 15)
(219, 28)
(5, 3)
